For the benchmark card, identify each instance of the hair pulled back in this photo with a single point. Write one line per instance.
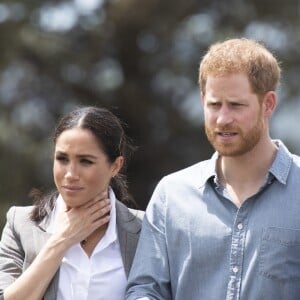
(111, 138)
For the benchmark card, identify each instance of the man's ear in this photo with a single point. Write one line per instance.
(202, 96)
(269, 103)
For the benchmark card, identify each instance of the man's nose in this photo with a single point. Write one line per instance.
(224, 116)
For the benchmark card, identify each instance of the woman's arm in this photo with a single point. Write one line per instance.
(75, 225)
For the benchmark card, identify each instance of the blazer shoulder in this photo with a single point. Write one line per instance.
(18, 220)
(128, 218)
(19, 214)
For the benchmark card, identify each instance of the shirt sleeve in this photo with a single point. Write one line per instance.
(149, 277)
(11, 253)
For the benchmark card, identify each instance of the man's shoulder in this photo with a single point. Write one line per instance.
(295, 165)
(296, 159)
(286, 159)
(196, 173)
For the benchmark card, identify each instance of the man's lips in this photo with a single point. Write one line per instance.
(227, 134)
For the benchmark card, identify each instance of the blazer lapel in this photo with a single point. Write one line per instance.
(51, 292)
(128, 227)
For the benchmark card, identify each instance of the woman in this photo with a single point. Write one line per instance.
(79, 242)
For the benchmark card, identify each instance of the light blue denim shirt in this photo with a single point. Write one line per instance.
(196, 244)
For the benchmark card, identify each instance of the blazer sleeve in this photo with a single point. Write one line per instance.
(11, 253)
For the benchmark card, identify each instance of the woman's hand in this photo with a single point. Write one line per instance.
(74, 225)
(77, 223)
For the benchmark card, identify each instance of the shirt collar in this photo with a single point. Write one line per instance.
(208, 169)
(110, 235)
(282, 163)
(279, 169)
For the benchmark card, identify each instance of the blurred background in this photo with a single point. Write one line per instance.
(140, 59)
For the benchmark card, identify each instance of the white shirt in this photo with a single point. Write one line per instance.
(99, 277)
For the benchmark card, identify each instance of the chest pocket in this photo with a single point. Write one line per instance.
(279, 256)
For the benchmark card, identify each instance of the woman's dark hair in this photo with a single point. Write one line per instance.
(108, 131)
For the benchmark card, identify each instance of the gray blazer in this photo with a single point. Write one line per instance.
(22, 240)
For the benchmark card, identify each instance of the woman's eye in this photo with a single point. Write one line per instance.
(86, 161)
(61, 158)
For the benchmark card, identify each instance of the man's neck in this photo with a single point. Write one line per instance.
(242, 176)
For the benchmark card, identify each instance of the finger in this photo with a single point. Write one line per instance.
(100, 222)
(97, 206)
(102, 199)
(100, 212)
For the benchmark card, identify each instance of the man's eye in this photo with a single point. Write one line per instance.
(236, 104)
(214, 104)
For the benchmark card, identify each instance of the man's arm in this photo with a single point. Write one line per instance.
(149, 277)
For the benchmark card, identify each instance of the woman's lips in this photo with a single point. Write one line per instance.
(72, 188)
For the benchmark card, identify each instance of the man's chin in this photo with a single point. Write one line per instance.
(229, 151)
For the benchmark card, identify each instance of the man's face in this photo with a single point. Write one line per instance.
(233, 115)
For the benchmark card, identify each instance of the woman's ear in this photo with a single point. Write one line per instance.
(117, 165)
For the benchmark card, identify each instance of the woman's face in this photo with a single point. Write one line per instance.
(81, 169)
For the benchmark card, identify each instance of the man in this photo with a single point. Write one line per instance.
(229, 227)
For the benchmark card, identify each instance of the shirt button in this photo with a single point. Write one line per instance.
(240, 226)
(235, 269)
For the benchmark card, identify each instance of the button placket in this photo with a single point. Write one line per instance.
(237, 253)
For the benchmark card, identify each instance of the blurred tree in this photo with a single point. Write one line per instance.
(138, 58)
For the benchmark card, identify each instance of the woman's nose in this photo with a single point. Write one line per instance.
(72, 172)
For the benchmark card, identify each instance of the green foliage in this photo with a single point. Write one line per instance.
(137, 58)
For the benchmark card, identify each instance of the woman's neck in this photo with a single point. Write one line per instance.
(90, 243)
